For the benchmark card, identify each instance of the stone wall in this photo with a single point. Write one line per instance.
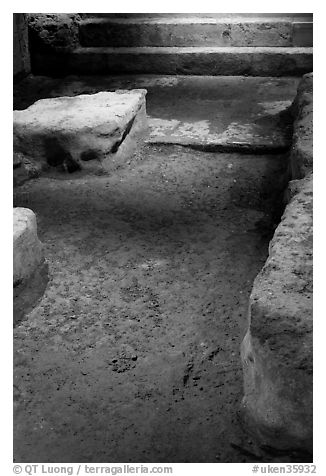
(22, 65)
(28, 250)
(53, 31)
(277, 351)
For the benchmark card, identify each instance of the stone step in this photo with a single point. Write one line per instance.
(227, 61)
(196, 31)
(292, 16)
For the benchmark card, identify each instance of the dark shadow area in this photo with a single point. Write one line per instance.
(56, 156)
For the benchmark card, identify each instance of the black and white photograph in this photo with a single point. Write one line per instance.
(162, 240)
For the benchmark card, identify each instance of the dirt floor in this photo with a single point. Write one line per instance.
(132, 353)
(132, 350)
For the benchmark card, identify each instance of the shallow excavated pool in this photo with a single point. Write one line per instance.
(132, 352)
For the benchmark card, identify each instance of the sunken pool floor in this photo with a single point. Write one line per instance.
(132, 352)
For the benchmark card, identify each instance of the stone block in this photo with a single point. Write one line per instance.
(27, 248)
(95, 131)
(277, 350)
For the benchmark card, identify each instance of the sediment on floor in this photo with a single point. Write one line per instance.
(133, 350)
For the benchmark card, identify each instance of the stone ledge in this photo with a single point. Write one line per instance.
(277, 351)
(185, 32)
(207, 61)
(27, 249)
(89, 131)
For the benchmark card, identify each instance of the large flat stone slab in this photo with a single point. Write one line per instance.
(28, 250)
(252, 137)
(94, 131)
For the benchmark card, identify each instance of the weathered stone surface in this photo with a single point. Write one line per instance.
(18, 160)
(87, 131)
(187, 31)
(301, 160)
(290, 16)
(241, 136)
(53, 31)
(28, 250)
(25, 169)
(198, 44)
(277, 349)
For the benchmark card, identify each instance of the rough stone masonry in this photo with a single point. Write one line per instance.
(277, 350)
(90, 131)
(27, 248)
